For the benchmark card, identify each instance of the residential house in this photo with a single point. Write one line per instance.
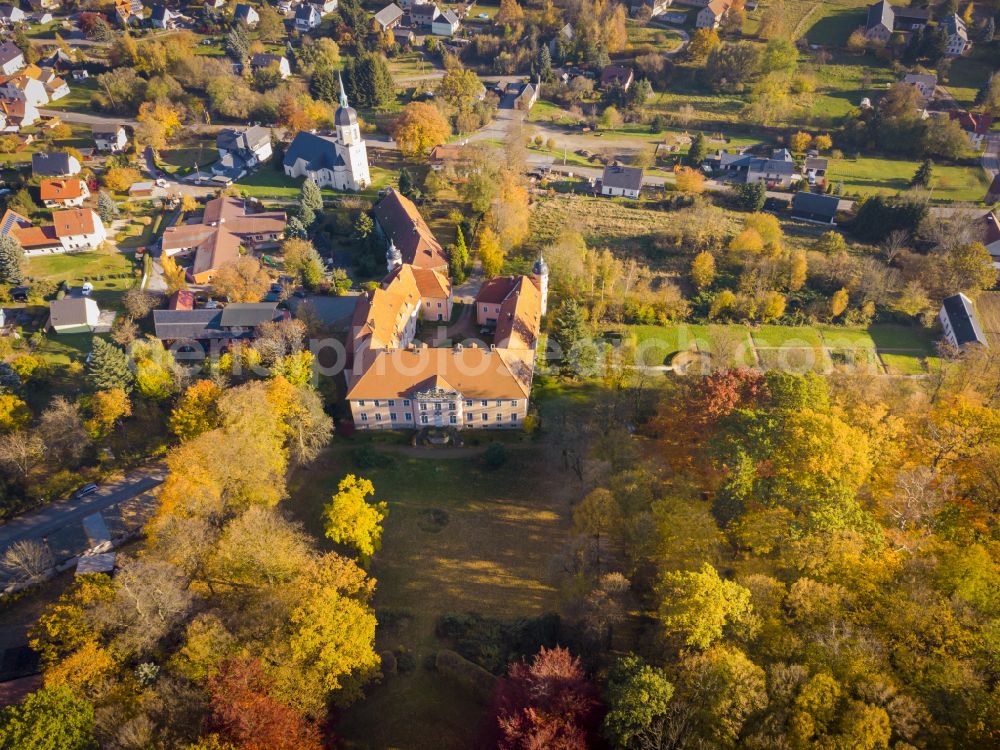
(44, 5)
(910, 18)
(975, 125)
(656, 7)
(960, 323)
(241, 151)
(325, 7)
(63, 193)
(562, 39)
(617, 76)
(525, 94)
(217, 327)
(422, 15)
(54, 164)
(816, 208)
(11, 14)
(74, 315)
(991, 236)
(17, 114)
(340, 162)
(55, 86)
(110, 138)
(444, 155)
(625, 181)
(776, 172)
(72, 230)
(403, 35)
(23, 86)
(307, 17)
(247, 14)
(925, 83)
(710, 17)
(161, 17)
(262, 61)
(389, 17)
(445, 24)
(880, 23)
(128, 12)
(215, 240)
(814, 170)
(958, 35)
(406, 235)
(11, 58)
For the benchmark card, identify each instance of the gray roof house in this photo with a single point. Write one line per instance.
(54, 164)
(389, 17)
(234, 321)
(11, 58)
(247, 14)
(625, 181)
(881, 21)
(307, 17)
(820, 209)
(241, 151)
(959, 321)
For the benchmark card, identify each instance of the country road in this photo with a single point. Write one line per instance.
(45, 521)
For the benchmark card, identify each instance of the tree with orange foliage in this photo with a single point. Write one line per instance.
(245, 713)
(419, 128)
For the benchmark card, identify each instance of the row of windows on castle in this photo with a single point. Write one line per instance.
(452, 418)
(423, 407)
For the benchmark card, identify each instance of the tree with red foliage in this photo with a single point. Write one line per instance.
(246, 715)
(724, 391)
(549, 704)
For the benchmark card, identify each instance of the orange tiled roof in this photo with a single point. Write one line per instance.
(61, 190)
(73, 222)
(402, 223)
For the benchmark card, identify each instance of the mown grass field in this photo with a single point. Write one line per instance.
(458, 538)
(868, 175)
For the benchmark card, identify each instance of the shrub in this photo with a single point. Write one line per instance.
(367, 457)
(495, 455)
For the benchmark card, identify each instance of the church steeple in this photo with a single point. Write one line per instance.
(343, 94)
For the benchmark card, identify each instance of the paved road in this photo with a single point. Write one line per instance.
(991, 156)
(82, 118)
(51, 518)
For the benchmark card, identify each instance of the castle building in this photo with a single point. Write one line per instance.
(397, 382)
(339, 162)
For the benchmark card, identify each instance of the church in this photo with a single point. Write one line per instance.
(339, 162)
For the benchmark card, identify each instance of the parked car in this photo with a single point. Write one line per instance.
(87, 489)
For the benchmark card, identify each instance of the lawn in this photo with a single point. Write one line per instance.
(458, 538)
(270, 183)
(78, 98)
(967, 74)
(111, 273)
(870, 174)
(184, 158)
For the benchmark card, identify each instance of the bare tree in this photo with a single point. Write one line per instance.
(27, 559)
(20, 451)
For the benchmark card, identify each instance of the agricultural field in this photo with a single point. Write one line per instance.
(458, 538)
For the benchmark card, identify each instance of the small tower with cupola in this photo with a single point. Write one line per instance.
(540, 275)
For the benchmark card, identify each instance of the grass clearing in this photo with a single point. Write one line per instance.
(870, 175)
(79, 97)
(458, 538)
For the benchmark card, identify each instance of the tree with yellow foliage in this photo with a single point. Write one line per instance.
(747, 241)
(197, 411)
(14, 413)
(174, 276)
(703, 270)
(799, 142)
(106, 410)
(242, 280)
(690, 180)
(838, 303)
(158, 123)
(352, 520)
(119, 179)
(491, 254)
